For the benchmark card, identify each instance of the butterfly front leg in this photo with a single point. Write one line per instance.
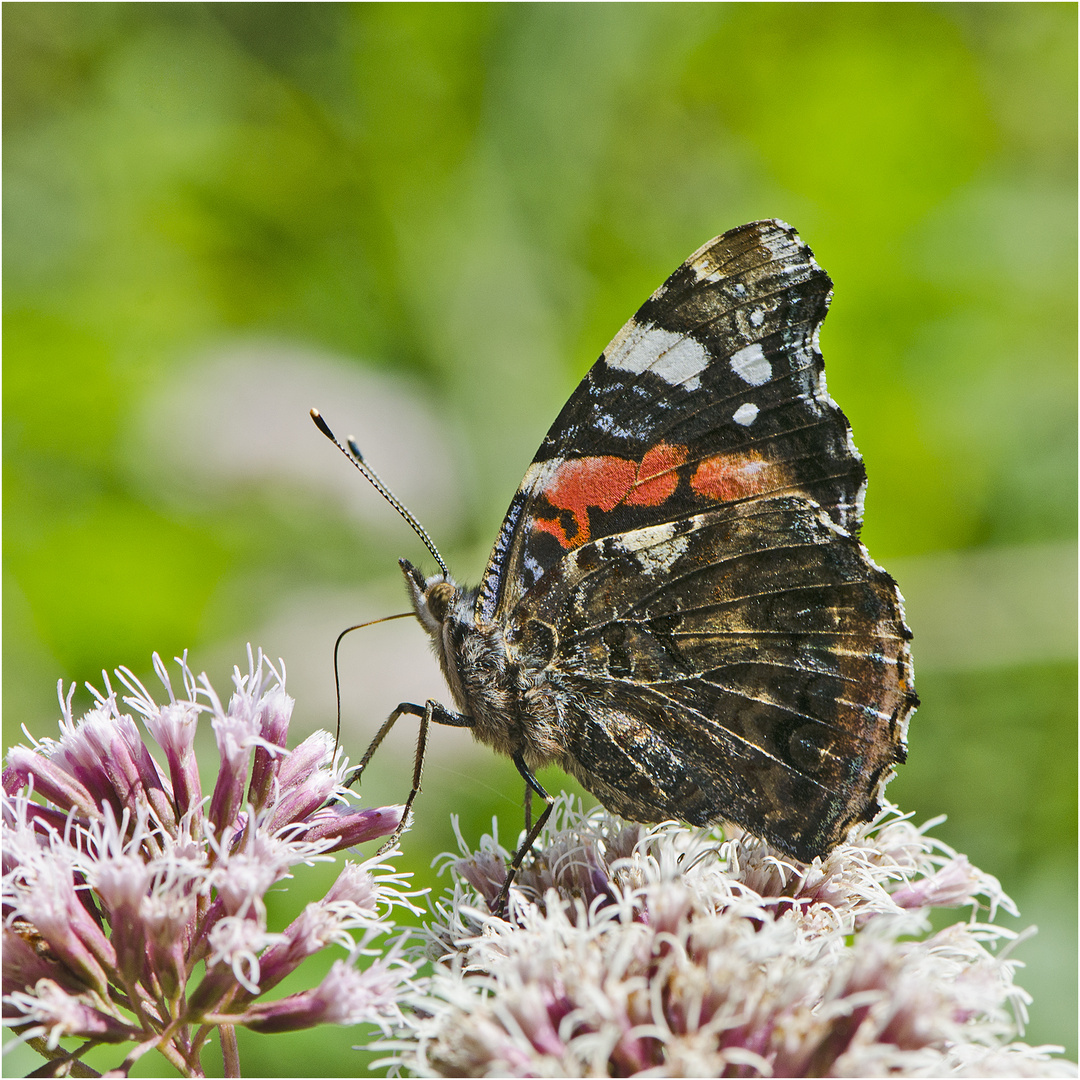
(431, 711)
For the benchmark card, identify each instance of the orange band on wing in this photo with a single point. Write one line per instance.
(580, 483)
(726, 477)
(602, 483)
(656, 478)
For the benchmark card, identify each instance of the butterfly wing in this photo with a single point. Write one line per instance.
(713, 392)
(749, 663)
(682, 562)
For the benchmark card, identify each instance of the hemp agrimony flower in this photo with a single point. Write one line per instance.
(667, 952)
(135, 915)
(134, 906)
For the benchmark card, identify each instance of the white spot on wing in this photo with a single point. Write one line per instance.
(540, 473)
(533, 569)
(705, 271)
(606, 423)
(757, 317)
(654, 534)
(655, 548)
(779, 244)
(706, 268)
(745, 414)
(678, 360)
(751, 366)
(659, 559)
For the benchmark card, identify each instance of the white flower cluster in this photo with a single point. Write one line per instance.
(667, 952)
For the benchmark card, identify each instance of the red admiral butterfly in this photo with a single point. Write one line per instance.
(677, 609)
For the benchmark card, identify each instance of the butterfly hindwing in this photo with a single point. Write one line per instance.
(749, 663)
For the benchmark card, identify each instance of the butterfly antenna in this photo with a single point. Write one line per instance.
(365, 470)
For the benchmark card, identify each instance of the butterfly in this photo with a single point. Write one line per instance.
(677, 609)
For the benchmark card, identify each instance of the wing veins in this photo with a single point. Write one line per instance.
(620, 418)
(739, 599)
(712, 725)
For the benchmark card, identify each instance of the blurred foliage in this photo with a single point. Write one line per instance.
(477, 196)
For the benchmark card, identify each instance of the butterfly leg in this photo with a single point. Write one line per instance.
(532, 784)
(432, 711)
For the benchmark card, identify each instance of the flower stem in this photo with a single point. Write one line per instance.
(230, 1052)
(72, 1066)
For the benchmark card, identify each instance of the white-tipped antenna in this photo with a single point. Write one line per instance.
(365, 470)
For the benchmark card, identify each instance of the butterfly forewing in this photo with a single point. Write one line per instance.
(714, 391)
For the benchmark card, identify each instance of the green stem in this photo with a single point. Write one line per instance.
(230, 1052)
(73, 1066)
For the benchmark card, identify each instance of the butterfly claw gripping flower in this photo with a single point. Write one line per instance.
(122, 881)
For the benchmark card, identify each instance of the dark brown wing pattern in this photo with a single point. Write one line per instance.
(682, 561)
(714, 391)
(748, 664)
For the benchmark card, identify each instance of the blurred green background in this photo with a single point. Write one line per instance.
(429, 221)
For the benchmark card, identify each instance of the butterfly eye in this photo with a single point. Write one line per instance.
(438, 599)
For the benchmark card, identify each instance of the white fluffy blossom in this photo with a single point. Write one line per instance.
(669, 952)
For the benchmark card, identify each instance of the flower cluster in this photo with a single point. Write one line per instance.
(134, 913)
(668, 952)
(134, 905)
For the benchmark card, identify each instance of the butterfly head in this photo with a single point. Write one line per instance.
(432, 598)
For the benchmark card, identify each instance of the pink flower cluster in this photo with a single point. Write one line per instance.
(670, 952)
(134, 904)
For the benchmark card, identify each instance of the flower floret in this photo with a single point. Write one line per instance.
(674, 952)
